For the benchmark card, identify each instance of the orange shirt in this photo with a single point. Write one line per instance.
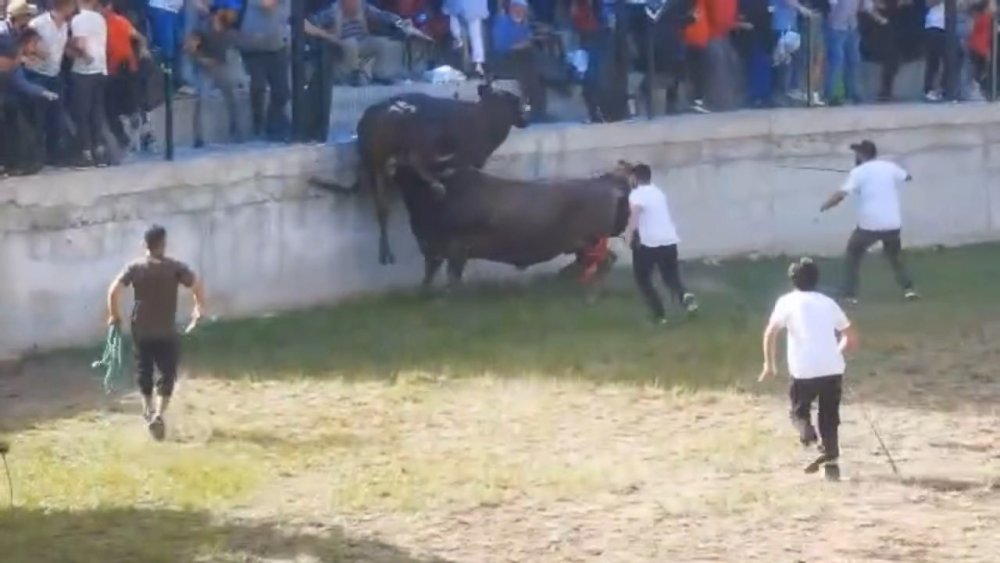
(722, 17)
(699, 31)
(120, 50)
(980, 42)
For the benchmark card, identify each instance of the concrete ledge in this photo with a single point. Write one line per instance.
(246, 218)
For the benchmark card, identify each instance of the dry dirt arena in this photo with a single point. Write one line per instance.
(510, 467)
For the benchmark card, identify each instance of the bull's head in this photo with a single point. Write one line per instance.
(508, 103)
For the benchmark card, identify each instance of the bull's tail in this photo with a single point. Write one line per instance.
(331, 186)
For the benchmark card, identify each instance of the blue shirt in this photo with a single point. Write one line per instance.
(783, 16)
(507, 33)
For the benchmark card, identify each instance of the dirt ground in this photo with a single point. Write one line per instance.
(536, 470)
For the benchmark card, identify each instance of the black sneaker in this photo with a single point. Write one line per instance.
(831, 471)
(809, 439)
(820, 461)
(157, 428)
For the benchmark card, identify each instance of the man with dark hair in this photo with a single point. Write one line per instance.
(654, 240)
(18, 135)
(818, 334)
(154, 279)
(874, 182)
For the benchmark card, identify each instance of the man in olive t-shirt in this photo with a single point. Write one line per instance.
(154, 279)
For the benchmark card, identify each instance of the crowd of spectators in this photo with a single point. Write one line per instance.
(78, 78)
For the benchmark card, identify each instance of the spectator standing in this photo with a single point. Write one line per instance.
(46, 71)
(209, 47)
(19, 14)
(755, 41)
(263, 42)
(17, 133)
(696, 37)
(788, 60)
(981, 46)
(124, 89)
(883, 44)
(468, 16)
(514, 54)
(349, 22)
(935, 41)
(88, 78)
(165, 22)
(843, 48)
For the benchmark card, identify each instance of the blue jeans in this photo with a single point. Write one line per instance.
(758, 74)
(843, 51)
(165, 30)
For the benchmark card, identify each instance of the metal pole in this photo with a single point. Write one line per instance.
(650, 66)
(298, 18)
(168, 109)
(809, 61)
(993, 58)
(952, 72)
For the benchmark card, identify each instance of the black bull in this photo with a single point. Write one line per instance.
(516, 222)
(422, 133)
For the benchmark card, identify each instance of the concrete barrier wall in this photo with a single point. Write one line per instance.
(264, 241)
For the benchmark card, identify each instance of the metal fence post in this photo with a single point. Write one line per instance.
(650, 66)
(952, 71)
(808, 67)
(168, 109)
(298, 18)
(993, 58)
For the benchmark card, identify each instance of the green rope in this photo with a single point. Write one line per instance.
(113, 359)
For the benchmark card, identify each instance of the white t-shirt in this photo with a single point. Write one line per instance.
(53, 42)
(811, 320)
(93, 30)
(874, 186)
(655, 225)
(935, 17)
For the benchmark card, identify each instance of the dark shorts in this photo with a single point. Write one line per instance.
(161, 355)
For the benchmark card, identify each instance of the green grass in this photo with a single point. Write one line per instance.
(545, 327)
(402, 404)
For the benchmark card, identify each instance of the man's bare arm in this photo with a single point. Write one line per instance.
(833, 201)
(114, 294)
(770, 348)
(633, 220)
(848, 339)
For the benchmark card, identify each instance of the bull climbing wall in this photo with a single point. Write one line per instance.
(264, 241)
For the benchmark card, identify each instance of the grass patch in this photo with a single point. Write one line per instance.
(501, 396)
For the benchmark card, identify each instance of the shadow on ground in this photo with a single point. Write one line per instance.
(177, 536)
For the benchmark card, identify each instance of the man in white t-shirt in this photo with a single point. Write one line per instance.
(874, 185)
(88, 78)
(654, 239)
(818, 334)
(46, 71)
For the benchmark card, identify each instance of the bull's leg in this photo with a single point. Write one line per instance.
(432, 264)
(385, 255)
(418, 160)
(573, 269)
(456, 268)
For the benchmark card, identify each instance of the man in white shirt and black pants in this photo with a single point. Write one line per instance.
(818, 334)
(654, 240)
(873, 182)
(88, 78)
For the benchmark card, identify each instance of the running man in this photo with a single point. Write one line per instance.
(654, 240)
(154, 279)
(818, 334)
(874, 184)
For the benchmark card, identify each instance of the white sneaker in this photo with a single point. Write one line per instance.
(699, 107)
(797, 96)
(817, 100)
(933, 96)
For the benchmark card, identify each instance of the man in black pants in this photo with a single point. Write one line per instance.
(818, 334)
(654, 243)
(873, 182)
(154, 279)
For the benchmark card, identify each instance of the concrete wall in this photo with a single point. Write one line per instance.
(264, 241)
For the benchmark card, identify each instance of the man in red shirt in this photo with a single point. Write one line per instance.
(125, 46)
